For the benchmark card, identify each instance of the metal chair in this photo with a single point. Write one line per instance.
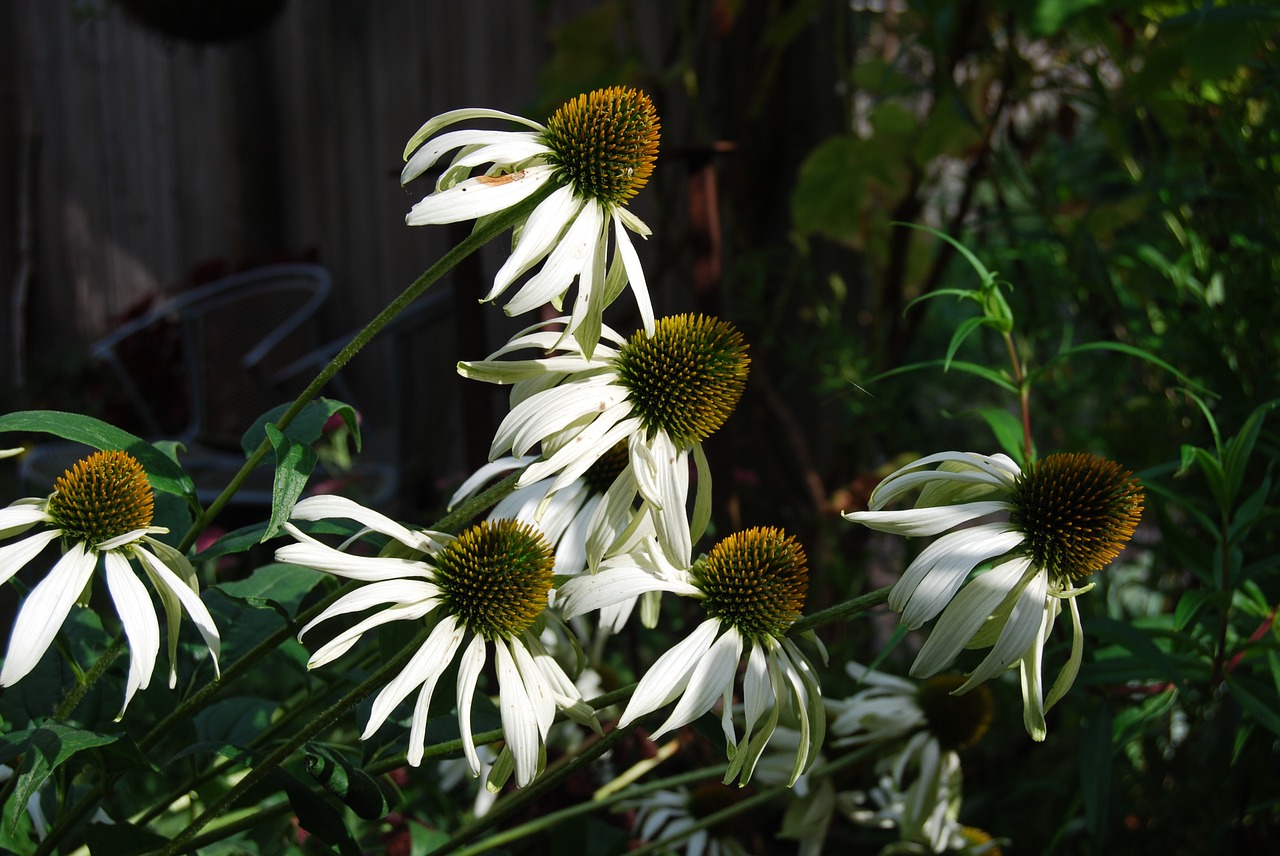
(237, 340)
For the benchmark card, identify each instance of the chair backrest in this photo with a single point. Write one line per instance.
(233, 337)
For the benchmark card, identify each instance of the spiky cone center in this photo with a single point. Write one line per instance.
(495, 577)
(101, 497)
(755, 581)
(687, 377)
(601, 475)
(605, 143)
(1077, 512)
(958, 721)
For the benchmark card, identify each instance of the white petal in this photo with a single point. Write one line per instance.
(930, 582)
(757, 695)
(483, 475)
(966, 614)
(1067, 676)
(427, 155)
(311, 553)
(590, 592)
(444, 120)
(426, 665)
(14, 557)
(565, 262)
(43, 612)
(670, 486)
(138, 617)
(327, 506)
(540, 233)
(162, 577)
(555, 410)
(1023, 624)
(635, 273)
(21, 516)
(913, 522)
(477, 197)
(410, 601)
(707, 681)
(669, 674)
(576, 456)
(521, 712)
(1000, 468)
(468, 674)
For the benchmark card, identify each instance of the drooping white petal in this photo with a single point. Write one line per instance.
(478, 197)
(43, 612)
(1030, 670)
(329, 506)
(444, 120)
(669, 674)
(425, 666)
(707, 681)
(409, 599)
(527, 144)
(541, 231)
(913, 522)
(536, 418)
(472, 663)
(566, 261)
(589, 592)
(999, 467)
(965, 615)
(576, 456)
(635, 272)
(162, 577)
(666, 485)
(138, 617)
(1020, 628)
(757, 694)
(311, 553)
(930, 582)
(1067, 676)
(14, 557)
(521, 714)
(483, 475)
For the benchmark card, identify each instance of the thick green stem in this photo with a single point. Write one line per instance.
(85, 682)
(478, 238)
(840, 611)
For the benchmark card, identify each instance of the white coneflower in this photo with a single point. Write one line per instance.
(100, 509)
(752, 586)
(598, 150)
(662, 395)
(489, 585)
(1052, 526)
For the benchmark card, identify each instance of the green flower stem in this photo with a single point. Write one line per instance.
(840, 611)
(551, 778)
(481, 235)
(550, 821)
(87, 680)
(325, 720)
(1024, 395)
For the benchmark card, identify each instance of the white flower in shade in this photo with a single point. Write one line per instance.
(579, 520)
(673, 814)
(917, 794)
(487, 586)
(597, 151)
(752, 586)
(662, 395)
(100, 509)
(1051, 526)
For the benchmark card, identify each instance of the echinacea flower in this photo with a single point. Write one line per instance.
(100, 509)
(752, 586)
(597, 151)
(662, 395)
(919, 795)
(1054, 524)
(487, 585)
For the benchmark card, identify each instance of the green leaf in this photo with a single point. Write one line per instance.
(963, 330)
(1188, 607)
(294, 464)
(237, 720)
(48, 748)
(959, 365)
(162, 472)
(306, 427)
(988, 278)
(1257, 701)
(275, 586)
(112, 839)
(1007, 429)
(1095, 772)
(1238, 449)
(1129, 350)
(1140, 644)
(347, 782)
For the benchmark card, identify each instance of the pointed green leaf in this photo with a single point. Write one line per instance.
(48, 748)
(294, 464)
(1008, 432)
(163, 473)
(306, 427)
